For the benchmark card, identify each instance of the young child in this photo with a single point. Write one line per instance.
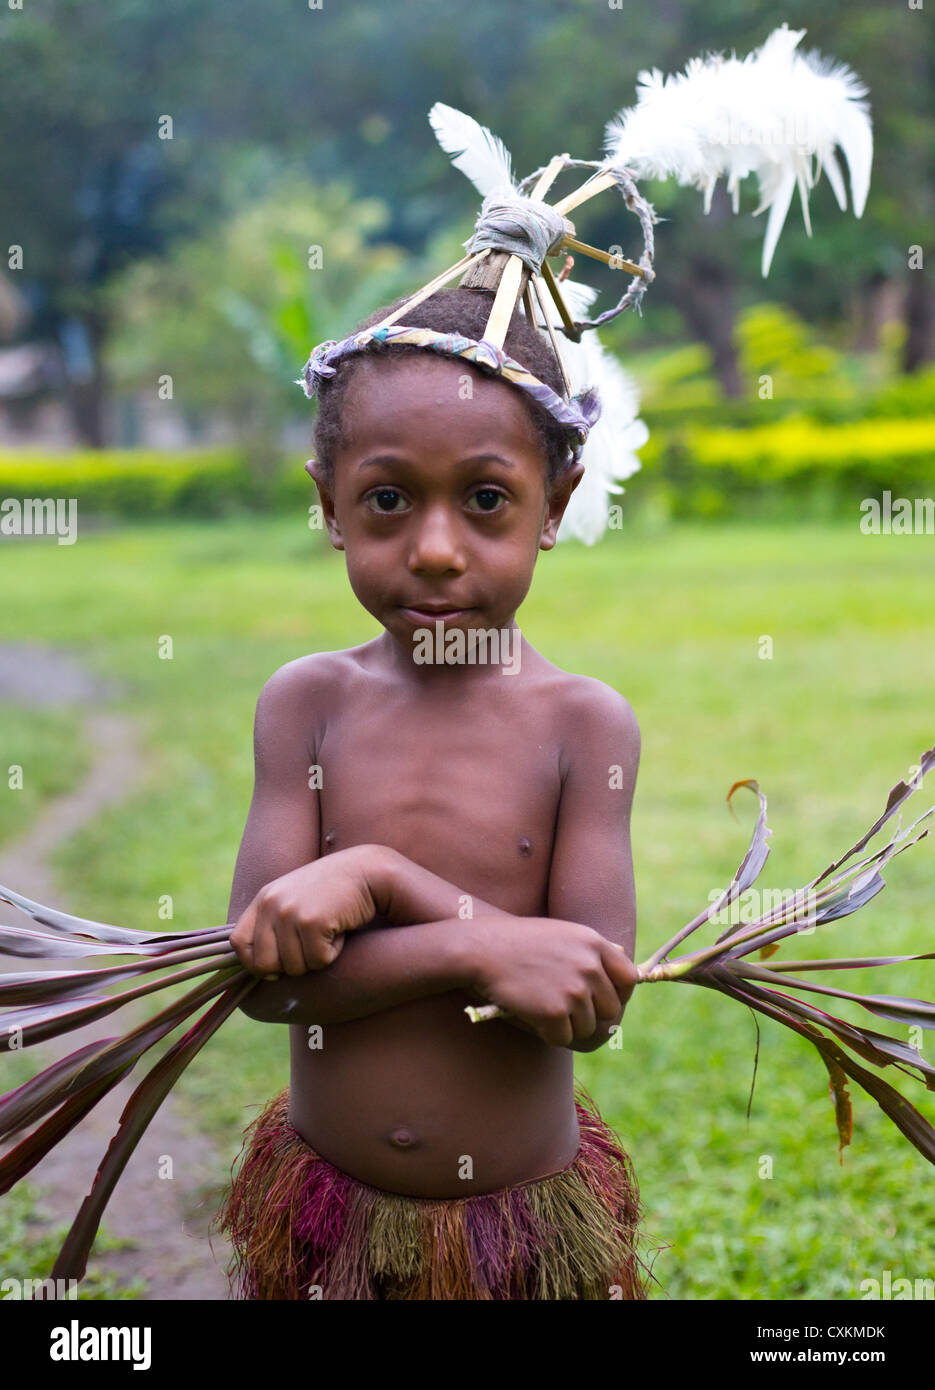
(467, 841)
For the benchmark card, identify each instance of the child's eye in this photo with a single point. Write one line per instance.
(383, 499)
(488, 498)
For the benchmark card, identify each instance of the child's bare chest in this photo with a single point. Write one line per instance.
(467, 790)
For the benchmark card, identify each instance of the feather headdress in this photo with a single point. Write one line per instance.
(610, 453)
(771, 114)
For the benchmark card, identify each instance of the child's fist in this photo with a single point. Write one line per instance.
(297, 923)
(562, 979)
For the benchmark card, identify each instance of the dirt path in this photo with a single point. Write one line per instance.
(163, 1217)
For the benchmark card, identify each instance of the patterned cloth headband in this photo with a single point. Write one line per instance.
(577, 415)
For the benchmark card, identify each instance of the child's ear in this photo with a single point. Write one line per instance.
(558, 498)
(314, 470)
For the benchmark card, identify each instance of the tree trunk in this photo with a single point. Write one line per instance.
(919, 348)
(87, 388)
(703, 291)
(704, 297)
(872, 308)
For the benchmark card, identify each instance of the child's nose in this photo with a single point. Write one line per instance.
(437, 544)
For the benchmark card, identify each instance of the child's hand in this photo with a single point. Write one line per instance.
(297, 922)
(561, 978)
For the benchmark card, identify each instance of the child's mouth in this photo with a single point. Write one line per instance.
(425, 617)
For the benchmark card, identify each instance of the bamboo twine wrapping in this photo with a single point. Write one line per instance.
(515, 274)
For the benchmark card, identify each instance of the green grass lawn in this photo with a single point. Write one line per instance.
(40, 757)
(674, 618)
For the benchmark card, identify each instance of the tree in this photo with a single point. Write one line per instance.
(231, 315)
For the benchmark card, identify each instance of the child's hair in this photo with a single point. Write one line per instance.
(462, 311)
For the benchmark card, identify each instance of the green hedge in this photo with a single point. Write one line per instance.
(133, 483)
(690, 469)
(906, 396)
(794, 463)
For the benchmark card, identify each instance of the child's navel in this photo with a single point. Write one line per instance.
(525, 847)
(403, 1138)
(330, 840)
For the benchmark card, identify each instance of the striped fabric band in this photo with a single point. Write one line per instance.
(577, 414)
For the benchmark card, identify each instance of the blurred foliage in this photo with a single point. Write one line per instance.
(796, 445)
(687, 470)
(234, 312)
(340, 94)
(139, 482)
(906, 396)
(785, 369)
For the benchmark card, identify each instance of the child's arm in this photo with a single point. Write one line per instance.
(298, 922)
(548, 974)
(591, 877)
(281, 837)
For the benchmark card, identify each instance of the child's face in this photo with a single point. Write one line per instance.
(439, 495)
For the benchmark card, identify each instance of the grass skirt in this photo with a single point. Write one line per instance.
(301, 1228)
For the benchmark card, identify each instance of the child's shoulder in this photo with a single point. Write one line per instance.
(308, 685)
(597, 728)
(590, 704)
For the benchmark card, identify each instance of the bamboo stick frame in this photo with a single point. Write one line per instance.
(511, 285)
(511, 281)
(553, 336)
(517, 281)
(615, 262)
(551, 285)
(589, 189)
(435, 284)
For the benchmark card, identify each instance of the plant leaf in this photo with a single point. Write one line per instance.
(21, 1107)
(747, 873)
(907, 1119)
(38, 1022)
(846, 962)
(96, 931)
(44, 986)
(139, 1110)
(899, 1008)
(878, 1048)
(841, 1096)
(35, 1098)
(19, 941)
(897, 796)
(21, 1160)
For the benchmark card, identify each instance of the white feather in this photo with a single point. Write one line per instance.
(609, 455)
(770, 114)
(478, 153)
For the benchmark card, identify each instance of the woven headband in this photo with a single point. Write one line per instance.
(576, 415)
